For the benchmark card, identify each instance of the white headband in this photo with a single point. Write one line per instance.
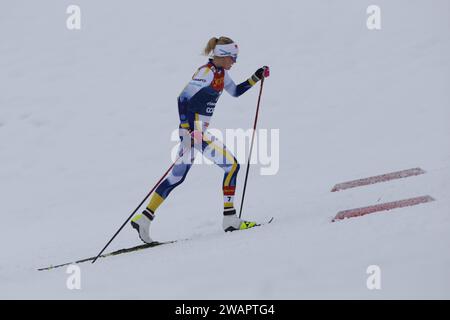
(225, 50)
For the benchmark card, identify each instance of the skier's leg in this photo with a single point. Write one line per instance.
(214, 150)
(141, 222)
(177, 174)
(217, 152)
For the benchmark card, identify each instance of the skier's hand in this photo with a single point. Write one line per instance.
(197, 135)
(262, 72)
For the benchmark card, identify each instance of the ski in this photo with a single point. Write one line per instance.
(256, 225)
(259, 224)
(114, 253)
(132, 249)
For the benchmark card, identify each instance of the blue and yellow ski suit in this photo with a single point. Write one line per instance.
(196, 105)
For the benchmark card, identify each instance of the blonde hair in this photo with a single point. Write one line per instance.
(213, 42)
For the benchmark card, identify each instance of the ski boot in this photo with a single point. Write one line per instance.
(233, 223)
(141, 222)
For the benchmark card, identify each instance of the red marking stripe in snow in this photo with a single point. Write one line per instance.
(376, 179)
(381, 207)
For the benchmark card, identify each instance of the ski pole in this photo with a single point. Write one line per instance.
(251, 147)
(135, 210)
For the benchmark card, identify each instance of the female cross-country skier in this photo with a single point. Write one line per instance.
(196, 105)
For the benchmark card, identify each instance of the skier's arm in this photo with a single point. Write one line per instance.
(237, 90)
(202, 78)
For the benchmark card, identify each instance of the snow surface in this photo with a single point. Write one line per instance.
(85, 124)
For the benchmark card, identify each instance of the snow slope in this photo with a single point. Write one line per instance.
(85, 124)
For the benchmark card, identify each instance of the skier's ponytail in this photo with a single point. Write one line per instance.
(213, 42)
